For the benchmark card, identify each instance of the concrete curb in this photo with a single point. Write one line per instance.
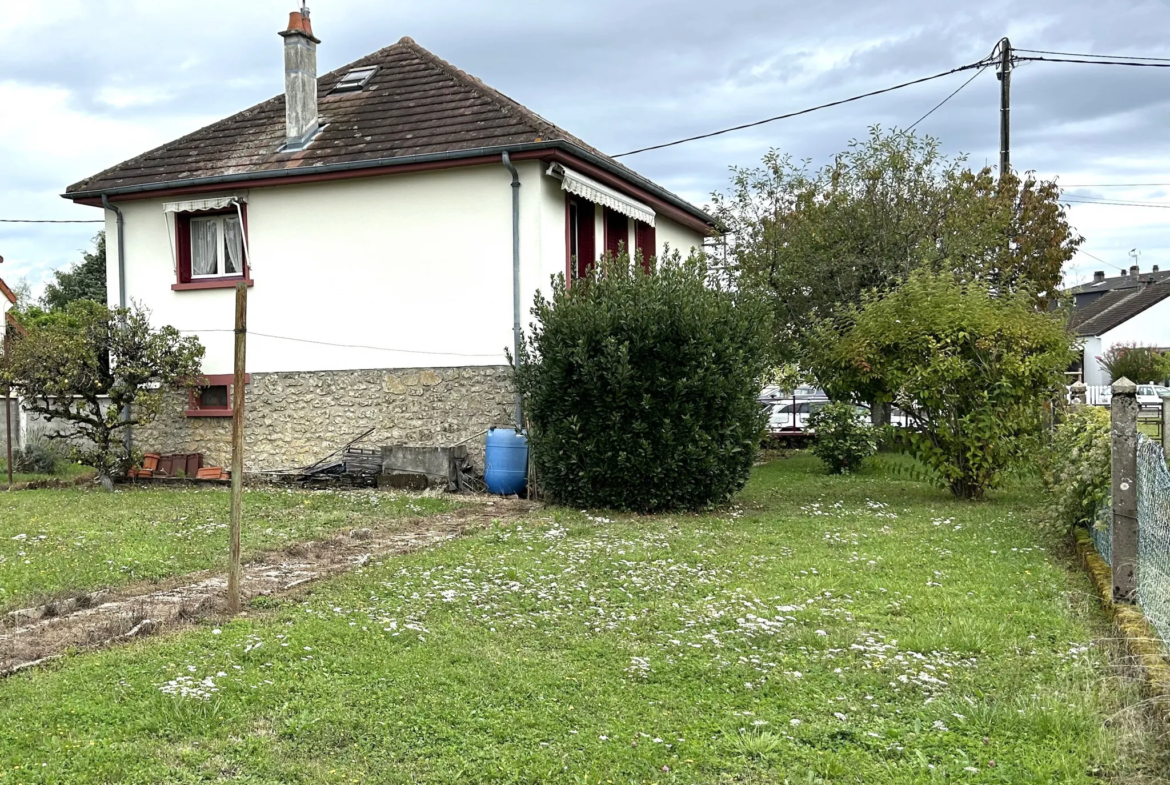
(1140, 637)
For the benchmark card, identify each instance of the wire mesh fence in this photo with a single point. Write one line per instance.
(1153, 507)
(1153, 504)
(1101, 531)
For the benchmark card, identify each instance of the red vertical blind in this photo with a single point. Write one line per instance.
(645, 241)
(580, 237)
(617, 231)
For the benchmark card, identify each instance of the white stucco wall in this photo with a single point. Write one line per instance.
(1151, 327)
(419, 263)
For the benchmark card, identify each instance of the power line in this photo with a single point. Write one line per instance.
(497, 355)
(981, 64)
(1099, 259)
(1083, 54)
(1114, 185)
(1115, 204)
(1090, 62)
(35, 221)
(949, 97)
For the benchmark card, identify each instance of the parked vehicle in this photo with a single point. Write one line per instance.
(1151, 395)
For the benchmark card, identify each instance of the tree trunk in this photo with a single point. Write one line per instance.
(105, 480)
(879, 414)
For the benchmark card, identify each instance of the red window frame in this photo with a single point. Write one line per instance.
(194, 409)
(645, 240)
(580, 218)
(184, 280)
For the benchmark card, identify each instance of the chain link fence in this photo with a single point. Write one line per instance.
(1153, 504)
(1153, 507)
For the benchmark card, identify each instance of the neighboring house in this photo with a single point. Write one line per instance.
(7, 300)
(1134, 308)
(371, 214)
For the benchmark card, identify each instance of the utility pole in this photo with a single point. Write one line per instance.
(8, 430)
(237, 448)
(1005, 107)
(5, 348)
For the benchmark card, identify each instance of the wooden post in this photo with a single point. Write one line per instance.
(1166, 428)
(1123, 417)
(8, 431)
(237, 447)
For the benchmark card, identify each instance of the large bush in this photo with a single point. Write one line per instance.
(1138, 363)
(1077, 468)
(640, 389)
(973, 367)
(843, 440)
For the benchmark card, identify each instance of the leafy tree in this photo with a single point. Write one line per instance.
(641, 389)
(811, 241)
(973, 367)
(1136, 362)
(86, 363)
(85, 280)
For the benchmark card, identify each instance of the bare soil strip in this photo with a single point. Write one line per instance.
(33, 636)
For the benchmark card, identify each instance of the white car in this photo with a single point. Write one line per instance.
(792, 416)
(1151, 395)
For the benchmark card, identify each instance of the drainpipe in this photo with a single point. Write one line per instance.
(127, 437)
(515, 279)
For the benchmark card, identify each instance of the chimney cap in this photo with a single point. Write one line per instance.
(299, 24)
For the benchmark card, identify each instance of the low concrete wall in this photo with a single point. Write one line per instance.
(295, 419)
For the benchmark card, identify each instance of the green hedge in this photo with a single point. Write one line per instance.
(641, 389)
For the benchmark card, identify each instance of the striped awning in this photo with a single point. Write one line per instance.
(597, 193)
(202, 205)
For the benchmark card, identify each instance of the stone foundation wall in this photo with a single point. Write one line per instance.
(292, 420)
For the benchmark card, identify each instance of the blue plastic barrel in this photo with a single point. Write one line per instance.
(506, 461)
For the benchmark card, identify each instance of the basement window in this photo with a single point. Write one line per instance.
(215, 398)
(355, 80)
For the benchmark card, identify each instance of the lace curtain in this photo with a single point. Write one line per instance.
(233, 247)
(203, 241)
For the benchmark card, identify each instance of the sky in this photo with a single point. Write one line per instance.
(86, 84)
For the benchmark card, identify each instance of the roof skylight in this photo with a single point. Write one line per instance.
(355, 80)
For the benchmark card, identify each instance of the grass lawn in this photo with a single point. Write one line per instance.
(863, 630)
(55, 543)
(67, 472)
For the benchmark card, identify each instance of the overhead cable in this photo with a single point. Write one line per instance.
(497, 355)
(949, 97)
(981, 64)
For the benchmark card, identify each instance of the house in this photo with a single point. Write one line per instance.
(1127, 309)
(393, 220)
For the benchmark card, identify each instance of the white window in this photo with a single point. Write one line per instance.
(217, 247)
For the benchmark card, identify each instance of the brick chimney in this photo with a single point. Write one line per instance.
(1134, 271)
(300, 81)
(1098, 276)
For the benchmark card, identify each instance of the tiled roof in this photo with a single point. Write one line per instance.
(1117, 307)
(416, 104)
(1120, 282)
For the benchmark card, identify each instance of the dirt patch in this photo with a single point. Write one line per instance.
(32, 636)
